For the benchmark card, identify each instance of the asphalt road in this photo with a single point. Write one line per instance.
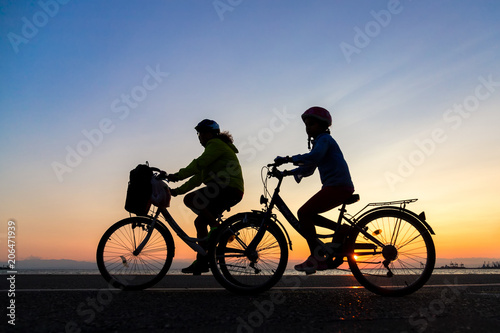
(79, 303)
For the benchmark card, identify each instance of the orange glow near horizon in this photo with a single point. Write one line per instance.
(80, 109)
(81, 245)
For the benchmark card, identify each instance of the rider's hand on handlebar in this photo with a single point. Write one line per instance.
(172, 178)
(282, 160)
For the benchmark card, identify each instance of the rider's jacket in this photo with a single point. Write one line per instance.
(328, 158)
(217, 164)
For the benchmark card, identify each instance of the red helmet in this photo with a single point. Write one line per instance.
(319, 113)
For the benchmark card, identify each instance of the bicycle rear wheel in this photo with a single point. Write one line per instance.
(405, 262)
(121, 268)
(242, 272)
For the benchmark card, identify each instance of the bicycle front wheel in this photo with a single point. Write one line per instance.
(405, 261)
(117, 262)
(241, 271)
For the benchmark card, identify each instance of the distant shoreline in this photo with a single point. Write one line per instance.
(437, 271)
(178, 263)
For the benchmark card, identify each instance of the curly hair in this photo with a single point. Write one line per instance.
(225, 136)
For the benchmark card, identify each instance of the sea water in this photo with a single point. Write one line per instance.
(287, 272)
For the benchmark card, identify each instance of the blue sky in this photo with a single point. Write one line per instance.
(136, 76)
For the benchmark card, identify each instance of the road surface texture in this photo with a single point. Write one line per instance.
(84, 303)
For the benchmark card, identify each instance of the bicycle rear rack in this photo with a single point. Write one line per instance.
(392, 203)
(402, 204)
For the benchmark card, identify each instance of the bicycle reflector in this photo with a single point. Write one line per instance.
(377, 232)
(124, 261)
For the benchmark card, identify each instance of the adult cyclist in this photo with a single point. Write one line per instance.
(219, 170)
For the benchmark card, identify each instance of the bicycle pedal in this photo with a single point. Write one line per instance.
(335, 262)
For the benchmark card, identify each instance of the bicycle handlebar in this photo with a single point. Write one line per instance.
(162, 175)
(274, 172)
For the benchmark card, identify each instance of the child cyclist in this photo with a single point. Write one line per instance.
(219, 170)
(335, 177)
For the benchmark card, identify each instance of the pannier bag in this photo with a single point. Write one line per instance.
(139, 190)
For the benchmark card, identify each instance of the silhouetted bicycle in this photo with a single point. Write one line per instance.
(136, 253)
(389, 249)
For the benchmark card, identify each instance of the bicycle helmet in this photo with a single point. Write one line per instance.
(207, 125)
(318, 113)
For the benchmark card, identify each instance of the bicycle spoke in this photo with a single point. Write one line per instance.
(406, 260)
(120, 266)
(409, 241)
(245, 271)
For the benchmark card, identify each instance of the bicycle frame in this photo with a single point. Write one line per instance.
(384, 245)
(277, 201)
(190, 241)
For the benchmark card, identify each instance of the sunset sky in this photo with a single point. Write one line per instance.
(90, 89)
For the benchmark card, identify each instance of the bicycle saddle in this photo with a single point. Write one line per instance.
(352, 199)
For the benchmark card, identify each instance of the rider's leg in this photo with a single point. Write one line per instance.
(224, 199)
(199, 203)
(323, 222)
(208, 203)
(201, 223)
(326, 199)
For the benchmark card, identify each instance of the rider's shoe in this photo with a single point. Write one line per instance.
(196, 268)
(311, 265)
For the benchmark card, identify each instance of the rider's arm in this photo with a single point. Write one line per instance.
(315, 155)
(308, 162)
(302, 171)
(193, 182)
(211, 153)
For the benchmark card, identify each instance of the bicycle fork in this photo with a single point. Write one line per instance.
(151, 227)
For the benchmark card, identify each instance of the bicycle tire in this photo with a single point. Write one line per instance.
(233, 269)
(408, 246)
(124, 270)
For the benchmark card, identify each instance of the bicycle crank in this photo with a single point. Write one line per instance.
(254, 257)
(256, 270)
